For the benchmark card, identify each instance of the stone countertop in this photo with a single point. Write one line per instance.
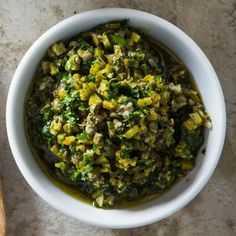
(212, 24)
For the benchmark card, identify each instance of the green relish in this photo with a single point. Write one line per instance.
(114, 115)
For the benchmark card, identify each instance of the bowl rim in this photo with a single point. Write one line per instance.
(28, 174)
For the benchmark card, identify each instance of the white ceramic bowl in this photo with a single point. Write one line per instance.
(182, 193)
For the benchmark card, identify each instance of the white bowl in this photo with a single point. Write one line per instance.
(183, 192)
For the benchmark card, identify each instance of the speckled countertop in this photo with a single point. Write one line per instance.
(212, 24)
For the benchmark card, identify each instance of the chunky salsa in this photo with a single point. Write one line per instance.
(115, 115)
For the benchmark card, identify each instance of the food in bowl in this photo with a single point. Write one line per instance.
(115, 115)
(143, 213)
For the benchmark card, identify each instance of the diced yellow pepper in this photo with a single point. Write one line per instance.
(55, 127)
(189, 125)
(72, 63)
(193, 122)
(76, 82)
(152, 115)
(120, 184)
(104, 39)
(118, 154)
(94, 100)
(61, 165)
(149, 78)
(98, 65)
(187, 165)
(87, 90)
(103, 86)
(110, 57)
(81, 148)
(101, 160)
(99, 200)
(143, 128)
(95, 68)
(68, 140)
(82, 95)
(53, 69)
(131, 132)
(105, 168)
(105, 94)
(126, 62)
(100, 76)
(85, 55)
(109, 105)
(196, 118)
(98, 52)
(108, 68)
(60, 138)
(83, 79)
(67, 128)
(76, 76)
(55, 149)
(80, 52)
(58, 48)
(124, 163)
(95, 39)
(142, 102)
(117, 51)
(155, 97)
(135, 37)
(50, 53)
(61, 93)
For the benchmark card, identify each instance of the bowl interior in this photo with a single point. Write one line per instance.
(181, 193)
